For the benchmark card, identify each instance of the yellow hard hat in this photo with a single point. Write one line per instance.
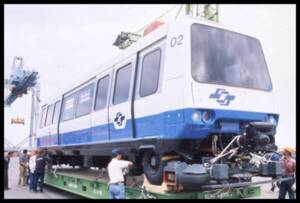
(288, 149)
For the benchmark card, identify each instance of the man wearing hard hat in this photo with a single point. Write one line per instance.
(289, 168)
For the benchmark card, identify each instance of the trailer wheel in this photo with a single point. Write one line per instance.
(153, 167)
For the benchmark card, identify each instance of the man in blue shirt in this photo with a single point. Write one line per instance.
(24, 160)
(41, 160)
(275, 157)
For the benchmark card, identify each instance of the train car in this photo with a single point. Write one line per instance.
(190, 89)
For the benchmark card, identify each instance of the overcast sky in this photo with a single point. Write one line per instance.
(63, 42)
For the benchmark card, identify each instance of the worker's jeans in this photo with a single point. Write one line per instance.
(32, 181)
(39, 180)
(286, 187)
(116, 191)
(5, 178)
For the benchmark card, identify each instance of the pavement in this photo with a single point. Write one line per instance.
(22, 192)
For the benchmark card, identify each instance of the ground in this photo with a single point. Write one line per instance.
(22, 192)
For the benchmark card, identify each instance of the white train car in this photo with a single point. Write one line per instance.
(186, 89)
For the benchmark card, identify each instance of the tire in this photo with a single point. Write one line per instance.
(153, 167)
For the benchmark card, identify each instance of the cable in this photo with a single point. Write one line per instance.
(178, 12)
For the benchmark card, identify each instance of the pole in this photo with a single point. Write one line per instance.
(32, 117)
(36, 111)
(188, 9)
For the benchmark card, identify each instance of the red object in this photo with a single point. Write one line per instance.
(152, 27)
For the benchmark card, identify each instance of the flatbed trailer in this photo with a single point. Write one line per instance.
(84, 183)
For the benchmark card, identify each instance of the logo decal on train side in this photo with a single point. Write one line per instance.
(119, 121)
(222, 93)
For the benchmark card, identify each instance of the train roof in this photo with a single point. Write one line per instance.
(141, 44)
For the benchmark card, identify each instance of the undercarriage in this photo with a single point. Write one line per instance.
(185, 165)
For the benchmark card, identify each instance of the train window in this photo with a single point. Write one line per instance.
(150, 73)
(42, 122)
(49, 115)
(56, 111)
(84, 103)
(68, 107)
(102, 92)
(122, 84)
(228, 58)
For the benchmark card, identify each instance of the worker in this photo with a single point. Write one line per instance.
(289, 168)
(27, 168)
(41, 161)
(116, 177)
(32, 174)
(276, 156)
(22, 168)
(6, 166)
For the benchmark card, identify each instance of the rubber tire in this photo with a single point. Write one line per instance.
(154, 176)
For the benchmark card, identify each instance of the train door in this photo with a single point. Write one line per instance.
(99, 117)
(148, 91)
(43, 131)
(120, 122)
(54, 126)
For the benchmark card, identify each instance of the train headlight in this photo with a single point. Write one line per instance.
(196, 116)
(272, 120)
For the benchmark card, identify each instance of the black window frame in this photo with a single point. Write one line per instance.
(142, 69)
(96, 93)
(115, 83)
(75, 95)
(57, 103)
(92, 86)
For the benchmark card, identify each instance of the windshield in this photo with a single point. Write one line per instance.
(229, 58)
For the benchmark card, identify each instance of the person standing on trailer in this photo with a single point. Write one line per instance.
(289, 167)
(116, 176)
(23, 165)
(41, 161)
(6, 166)
(32, 174)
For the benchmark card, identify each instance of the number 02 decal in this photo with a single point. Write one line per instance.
(176, 41)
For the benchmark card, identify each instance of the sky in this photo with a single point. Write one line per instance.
(64, 42)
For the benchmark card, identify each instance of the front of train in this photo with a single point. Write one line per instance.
(233, 121)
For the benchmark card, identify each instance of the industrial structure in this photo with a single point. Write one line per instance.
(18, 84)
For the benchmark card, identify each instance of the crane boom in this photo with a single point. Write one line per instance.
(19, 81)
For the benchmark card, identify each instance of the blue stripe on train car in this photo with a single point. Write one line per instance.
(177, 124)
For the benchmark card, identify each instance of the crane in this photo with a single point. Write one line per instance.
(19, 81)
(18, 84)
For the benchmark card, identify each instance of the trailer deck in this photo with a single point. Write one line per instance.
(84, 183)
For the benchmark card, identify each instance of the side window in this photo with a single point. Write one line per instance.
(56, 111)
(102, 92)
(68, 107)
(42, 122)
(122, 84)
(49, 115)
(150, 73)
(85, 100)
